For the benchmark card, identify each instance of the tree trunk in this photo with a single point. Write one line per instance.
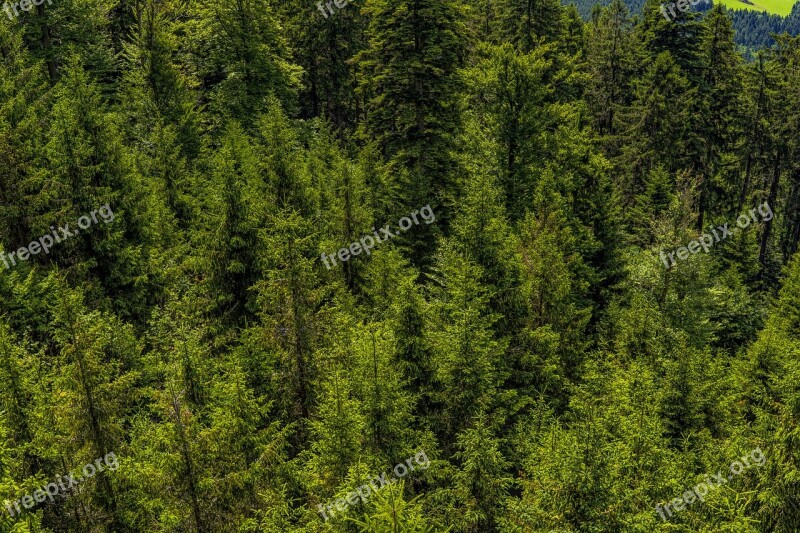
(52, 68)
(187, 459)
(773, 194)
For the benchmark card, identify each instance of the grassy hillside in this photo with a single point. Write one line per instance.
(753, 24)
(777, 7)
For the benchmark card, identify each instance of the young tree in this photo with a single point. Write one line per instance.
(466, 353)
(233, 263)
(95, 353)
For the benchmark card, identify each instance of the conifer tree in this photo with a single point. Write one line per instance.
(17, 399)
(393, 513)
(482, 482)
(89, 167)
(467, 356)
(481, 232)
(291, 323)
(409, 79)
(656, 131)
(610, 59)
(23, 111)
(770, 399)
(10, 489)
(94, 352)
(55, 32)
(284, 179)
(529, 23)
(156, 91)
(324, 45)
(169, 445)
(537, 338)
(510, 101)
(241, 57)
(722, 102)
(234, 268)
(790, 233)
(246, 447)
(679, 37)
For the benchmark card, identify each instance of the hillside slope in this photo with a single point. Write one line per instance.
(753, 24)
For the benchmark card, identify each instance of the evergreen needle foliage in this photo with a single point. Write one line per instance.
(529, 339)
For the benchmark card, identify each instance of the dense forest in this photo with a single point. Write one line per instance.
(752, 29)
(396, 266)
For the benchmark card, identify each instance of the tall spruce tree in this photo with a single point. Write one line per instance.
(410, 82)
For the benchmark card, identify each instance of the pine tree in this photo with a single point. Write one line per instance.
(510, 96)
(93, 384)
(467, 356)
(23, 112)
(324, 45)
(393, 513)
(17, 399)
(234, 268)
(482, 482)
(156, 93)
(89, 167)
(610, 59)
(721, 104)
(529, 23)
(656, 131)
(409, 79)
(241, 58)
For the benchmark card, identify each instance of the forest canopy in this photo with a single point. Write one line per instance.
(396, 266)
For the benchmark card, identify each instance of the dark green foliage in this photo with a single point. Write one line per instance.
(409, 82)
(251, 362)
(753, 29)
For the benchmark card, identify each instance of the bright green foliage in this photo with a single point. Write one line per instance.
(240, 54)
(510, 97)
(156, 89)
(482, 484)
(393, 513)
(17, 400)
(92, 388)
(467, 355)
(22, 107)
(552, 341)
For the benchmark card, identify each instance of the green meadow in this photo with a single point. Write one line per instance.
(778, 7)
